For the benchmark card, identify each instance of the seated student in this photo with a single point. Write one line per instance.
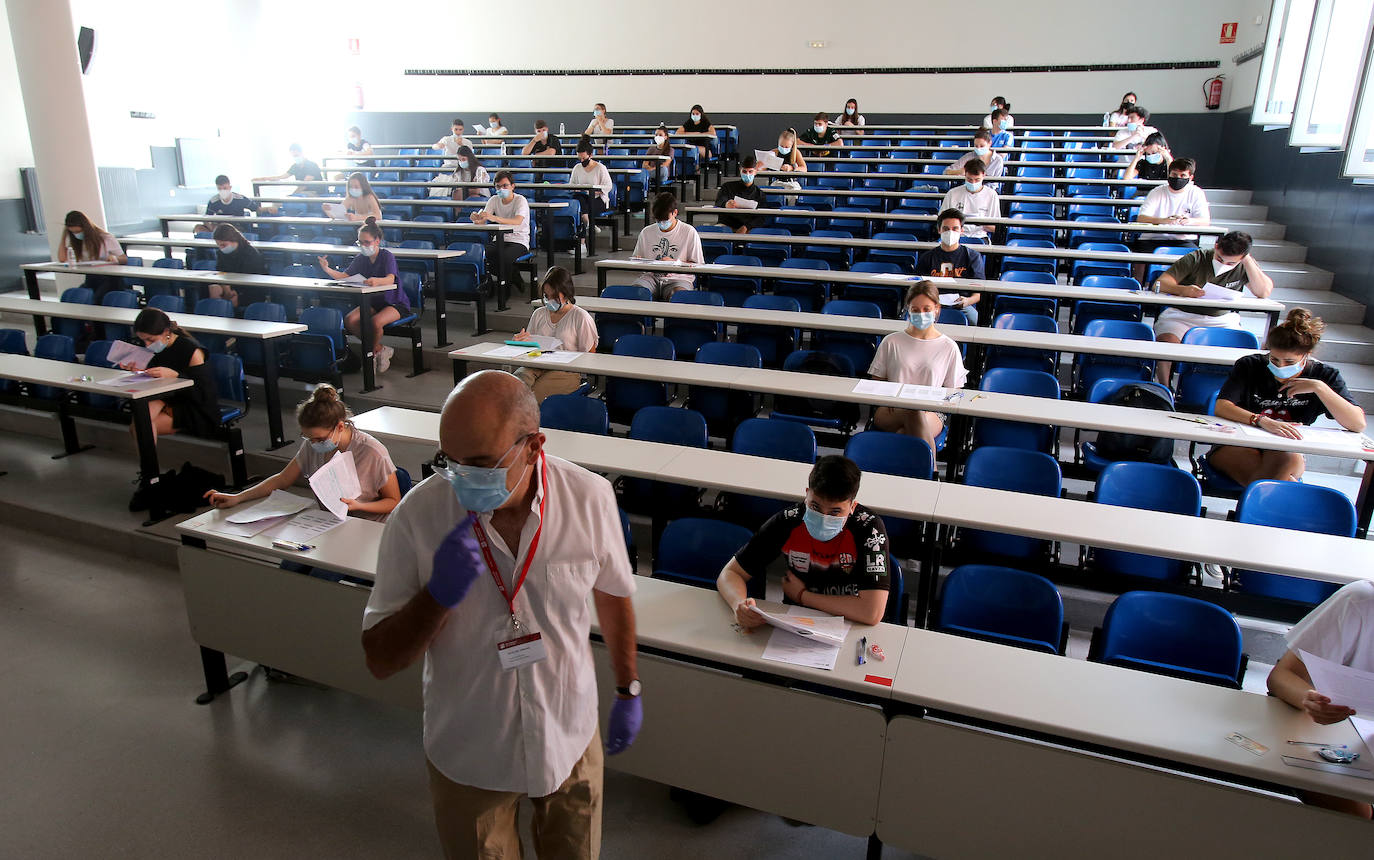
(1151, 161)
(1341, 630)
(789, 152)
(667, 239)
(1118, 116)
(953, 259)
(358, 146)
(176, 354)
(600, 124)
(1277, 393)
(361, 202)
(589, 171)
(993, 163)
(378, 267)
(469, 169)
(661, 171)
(850, 118)
(1000, 127)
(974, 198)
(820, 136)
(507, 207)
(835, 549)
(745, 188)
(84, 242)
(558, 317)
(229, 202)
(449, 143)
(236, 255)
(327, 428)
(698, 122)
(1226, 264)
(997, 103)
(544, 141)
(1136, 130)
(1180, 202)
(495, 127)
(919, 354)
(301, 169)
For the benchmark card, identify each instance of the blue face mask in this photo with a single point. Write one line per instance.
(228, 247)
(598, 113)
(157, 346)
(1132, 126)
(783, 150)
(849, 111)
(553, 305)
(355, 192)
(1288, 372)
(1154, 157)
(747, 178)
(78, 235)
(981, 151)
(921, 321)
(665, 226)
(325, 446)
(975, 187)
(505, 193)
(480, 489)
(463, 163)
(823, 527)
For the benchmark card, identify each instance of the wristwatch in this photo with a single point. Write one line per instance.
(632, 691)
(1255, 419)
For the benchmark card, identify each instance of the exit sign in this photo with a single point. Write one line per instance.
(1228, 33)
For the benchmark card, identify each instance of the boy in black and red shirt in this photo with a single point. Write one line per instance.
(836, 551)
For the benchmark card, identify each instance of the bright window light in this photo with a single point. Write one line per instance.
(1359, 153)
(1330, 73)
(1290, 21)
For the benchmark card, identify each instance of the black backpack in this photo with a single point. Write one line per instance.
(1113, 445)
(824, 364)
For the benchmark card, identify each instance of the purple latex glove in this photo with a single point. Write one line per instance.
(627, 715)
(457, 564)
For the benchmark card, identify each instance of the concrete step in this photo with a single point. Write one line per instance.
(1228, 195)
(1257, 229)
(1359, 378)
(1347, 343)
(1331, 306)
(1270, 250)
(1300, 276)
(1238, 211)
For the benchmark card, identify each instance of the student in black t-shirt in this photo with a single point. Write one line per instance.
(229, 202)
(698, 122)
(954, 260)
(820, 136)
(236, 255)
(1278, 393)
(544, 141)
(747, 188)
(836, 551)
(301, 169)
(1151, 161)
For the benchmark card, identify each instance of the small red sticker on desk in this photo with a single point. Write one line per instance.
(878, 679)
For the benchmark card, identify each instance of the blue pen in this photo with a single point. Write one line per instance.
(863, 646)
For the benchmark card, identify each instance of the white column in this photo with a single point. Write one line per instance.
(55, 105)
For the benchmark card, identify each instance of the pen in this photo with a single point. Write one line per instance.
(1186, 418)
(1318, 744)
(291, 545)
(863, 646)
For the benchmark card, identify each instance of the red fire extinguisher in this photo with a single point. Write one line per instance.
(1211, 92)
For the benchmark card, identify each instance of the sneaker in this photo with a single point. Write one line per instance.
(597, 229)
(383, 358)
(582, 248)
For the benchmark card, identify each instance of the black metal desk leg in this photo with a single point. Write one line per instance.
(369, 347)
(270, 381)
(460, 370)
(166, 228)
(149, 473)
(503, 271)
(600, 280)
(440, 304)
(217, 677)
(40, 324)
(1364, 500)
(70, 443)
(548, 236)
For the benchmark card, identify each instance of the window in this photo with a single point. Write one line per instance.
(1330, 73)
(1359, 153)
(1290, 21)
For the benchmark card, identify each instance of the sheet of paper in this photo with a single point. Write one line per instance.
(924, 392)
(785, 647)
(128, 380)
(337, 211)
(352, 281)
(825, 628)
(1344, 685)
(305, 525)
(874, 386)
(246, 530)
(1214, 291)
(949, 300)
(559, 357)
(546, 343)
(712, 266)
(742, 203)
(508, 351)
(892, 276)
(767, 160)
(337, 479)
(936, 279)
(1366, 729)
(122, 352)
(278, 504)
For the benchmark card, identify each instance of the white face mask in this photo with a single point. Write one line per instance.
(659, 139)
(696, 117)
(949, 238)
(1221, 268)
(226, 195)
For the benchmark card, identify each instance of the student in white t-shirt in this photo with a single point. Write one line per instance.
(601, 124)
(558, 317)
(1341, 630)
(974, 198)
(507, 207)
(919, 354)
(449, 143)
(1179, 202)
(589, 171)
(850, 118)
(1137, 129)
(667, 239)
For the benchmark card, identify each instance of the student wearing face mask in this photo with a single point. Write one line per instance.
(1279, 393)
(301, 169)
(1179, 202)
(236, 255)
(83, 242)
(496, 127)
(1151, 161)
(358, 145)
(176, 355)
(667, 239)
(378, 268)
(789, 152)
(601, 123)
(361, 201)
(820, 136)
(589, 171)
(227, 201)
(746, 187)
(953, 259)
(507, 207)
(1137, 128)
(974, 198)
(919, 354)
(449, 143)
(1226, 264)
(660, 171)
(834, 547)
(327, 429)
(469, 169)
(993, 163)
(1000, 127)
(998, 103)
(558, 316)
(850, 118)
(1118, 116)
(544, 141)
(698, 122)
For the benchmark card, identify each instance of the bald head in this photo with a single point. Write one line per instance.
(485, 414)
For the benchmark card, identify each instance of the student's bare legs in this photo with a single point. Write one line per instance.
(1244, 465)
(380, 320)
(160, 415)
(1163, 369)
(223, 291)
(910, 422)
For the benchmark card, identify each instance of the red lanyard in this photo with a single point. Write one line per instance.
(529, 556)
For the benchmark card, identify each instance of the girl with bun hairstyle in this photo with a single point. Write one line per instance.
(378, 268)
(326, 428)
(1278, 393)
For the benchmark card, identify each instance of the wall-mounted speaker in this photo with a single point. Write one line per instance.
(85, 47)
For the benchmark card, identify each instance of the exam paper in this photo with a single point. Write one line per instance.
(924, 392)
(278, 504)
(337, 211)
(1215, 291)
(949, 300)
(742, 203)
(767, 160)
(246, 530)
(122, 352)
(830, 629)
(352, 281)
(306, 525)
(892, 276)
(125, 380)
(874, 386)
(1344, 685)
(560, 357)
(337, 479)
(936, 279)
(785, 647)
(509, 351)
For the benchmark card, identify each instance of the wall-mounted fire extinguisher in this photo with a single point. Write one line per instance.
(1211, 92)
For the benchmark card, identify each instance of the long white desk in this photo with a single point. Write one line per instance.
(267, 332)
(898, 155)
(898, 195)
(936, 177)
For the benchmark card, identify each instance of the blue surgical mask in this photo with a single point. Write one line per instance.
(981, 151)
(505, 193)
(553, 305)
(369, 250)
(463, 163)
(1154, 157)
(1288, 372)
(480, 489)
(747, 178)
(324, 446)
(1132, 126)
(598, 113)
(921, 320)
(823, 527)
(228, 247)
(975, 187)
(696, 117)
(157, 346)
(665, 226)
(355, 192)
(819, 129)
(79, 235)
(849, 111)
(783, 150)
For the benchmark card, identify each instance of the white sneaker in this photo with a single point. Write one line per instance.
(383, 358)
(597, 229)
(582, 248)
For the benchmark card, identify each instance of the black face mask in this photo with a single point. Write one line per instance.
(584, 161)
(1178, 183)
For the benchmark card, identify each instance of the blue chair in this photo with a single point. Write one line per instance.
(1199, 383)
(233, 408)
(693, 551)
(1083, 268)
(809, 294)
(774, 342)
(566, 225)
(168, 303)
(711, 249)
(736, 288)
(1019, 471)
(1013, 263)
(888, 297)
(610, 327)
(770, 253)
(1008, 304)
(465, 277)
(1014, 356)
(119, 299)
(12, 342)
(1168, 255)
(1297, 506)
(1084, 312)
(574, 412)
(251, 350)
(1002, 605)
(723, 408)
(315, 354)
(97, 355)
(776, 439)
(408, 325)
(826, 414)
(901, 455)
(1089, 367)
(1169, 634)
(1102, 390)
(838, 256)
(214, 308)
(625, 397)
(424, 269)
(671, 425)
(1150, 487)
(905, 259)
(55, 347)
(1016, 434)
(688, 335)
(74, 329)
(858, 348)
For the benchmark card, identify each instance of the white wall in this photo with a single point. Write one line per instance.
(15, 151)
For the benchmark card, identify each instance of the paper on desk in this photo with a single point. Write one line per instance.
(743, 203)
(924, 392)
(509, 351)
(712, 266)
(337, 211)
(1218, 292)
(352, 281)
(246, 530)
(936, 279)
(874, 386)
(336, 479)
(305, 525)
(1344, 685)
(125, 380)
(546, 343)
(892, 276)
(559, 357)
(949, 300)
(278, 504)
(830, 629)
(767, 160)
(122, 352)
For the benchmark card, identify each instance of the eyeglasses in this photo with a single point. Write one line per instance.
(449, 468)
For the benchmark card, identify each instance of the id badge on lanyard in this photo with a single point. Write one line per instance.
(519, 644)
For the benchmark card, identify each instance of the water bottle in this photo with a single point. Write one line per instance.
(562, 130)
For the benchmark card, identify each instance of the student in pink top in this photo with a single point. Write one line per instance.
(558, 317)
(917, 355)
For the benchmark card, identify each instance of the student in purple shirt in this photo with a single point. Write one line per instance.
(377, 266)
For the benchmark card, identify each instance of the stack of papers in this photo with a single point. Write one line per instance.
(742, 203)
(274, 510)
(126, 380)
(335, 481)
(1220, 293)
(305, 525)
(124, 353)
(804, 637)
(1345, 685)
(925, 392)
(874, 386)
